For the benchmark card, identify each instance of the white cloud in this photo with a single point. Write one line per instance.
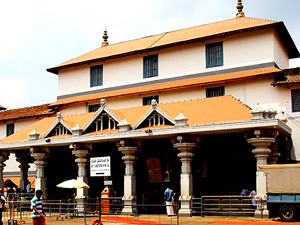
(13, 92)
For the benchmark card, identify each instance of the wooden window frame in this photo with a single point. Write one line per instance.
(214, 54)
(151, 66)
(96, 77)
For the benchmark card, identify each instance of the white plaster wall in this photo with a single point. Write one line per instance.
(280, 53)
(249, 48)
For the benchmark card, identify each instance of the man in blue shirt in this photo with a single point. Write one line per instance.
(168, 197)
(38, 215)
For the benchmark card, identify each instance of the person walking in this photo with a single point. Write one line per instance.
(2, 206)
(168, 200)
(38, 214)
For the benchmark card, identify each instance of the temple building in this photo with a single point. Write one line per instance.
(198, 108)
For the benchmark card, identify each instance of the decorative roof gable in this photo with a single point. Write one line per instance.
(60, 127)
(155, 117)
(104, 118)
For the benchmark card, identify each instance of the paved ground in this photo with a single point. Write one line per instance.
(163, 220)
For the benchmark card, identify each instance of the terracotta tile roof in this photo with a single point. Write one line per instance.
(177, 37)
(291, 76)
(42, 126)
(167, 86)
(33, 111)
(199, 111)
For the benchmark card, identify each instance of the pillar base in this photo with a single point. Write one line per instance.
(261, 213)
(128, 205)
(185, 206)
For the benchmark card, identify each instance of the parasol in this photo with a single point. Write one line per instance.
(73, 184)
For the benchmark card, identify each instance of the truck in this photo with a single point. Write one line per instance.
(283, 190)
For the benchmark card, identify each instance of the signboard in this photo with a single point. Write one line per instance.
(154, 170)
(108, 182)
(100, 166)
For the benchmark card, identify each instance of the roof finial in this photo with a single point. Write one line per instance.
(240, 9)
(105, 37)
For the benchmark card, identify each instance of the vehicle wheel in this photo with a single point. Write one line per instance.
(288, 213)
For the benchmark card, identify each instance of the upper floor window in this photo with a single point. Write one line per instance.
(296, 100)
(96, 75)
(94, 108)
(150, 66)
(10, 129)
(214, 54)
(147, 100)
(215, 92)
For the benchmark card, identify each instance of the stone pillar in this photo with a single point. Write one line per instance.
(23, 158)
(129, 177)
(261, 152)
(40, 155)
(3, 157)
(273, 156)
(186, 180)
(82, 152)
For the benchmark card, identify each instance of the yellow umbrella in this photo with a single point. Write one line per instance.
(73, 184)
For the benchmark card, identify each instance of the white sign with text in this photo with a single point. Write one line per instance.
(100, 166)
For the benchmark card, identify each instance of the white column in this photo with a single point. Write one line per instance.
(129, 177)
(82, 162)
(186, 179)
(40, 155)
(3, 157)
(261, 152)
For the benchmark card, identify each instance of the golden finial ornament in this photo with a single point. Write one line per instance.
(105, 37)
(240, 9)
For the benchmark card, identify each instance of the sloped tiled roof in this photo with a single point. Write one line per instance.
(33, 111)
(291, 76)
(167, 86)
(178, 37)
(43, 125)
(199, 111)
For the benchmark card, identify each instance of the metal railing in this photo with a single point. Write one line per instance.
(111, 210)
(234, 205)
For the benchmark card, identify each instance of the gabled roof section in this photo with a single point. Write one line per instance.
(180, 37)
(2, 107)
(59, 127)
(171, 85)
(27, 112)
(155, 120)
(103, 108)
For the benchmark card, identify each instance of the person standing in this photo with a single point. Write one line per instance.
(2, 205)
(38, 215)
(168, 200)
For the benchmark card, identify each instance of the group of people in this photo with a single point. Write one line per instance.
(38, 214)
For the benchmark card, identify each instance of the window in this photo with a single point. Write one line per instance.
(147, 100)
(296, 100)
(150, 66)
(96, 75)
(94, 108)
(10, 129)
(214, 54)
(215, 92)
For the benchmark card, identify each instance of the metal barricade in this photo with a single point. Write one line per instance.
(234, 205)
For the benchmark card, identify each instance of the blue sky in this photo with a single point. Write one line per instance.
(36, 35)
